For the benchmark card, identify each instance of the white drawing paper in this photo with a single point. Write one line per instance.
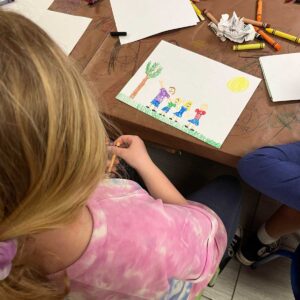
(144, 18)
(281, 73)
(64, 29)
(190, 92)
(42, 4)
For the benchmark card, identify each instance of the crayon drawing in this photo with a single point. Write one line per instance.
(162, 95)
(194, 123)
(238, 84)
(194, 94)
(152, 71)
(185, 107)
(170, 106)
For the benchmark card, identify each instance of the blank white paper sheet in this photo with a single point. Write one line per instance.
(281, 74)
(64, 29)
(144, 18)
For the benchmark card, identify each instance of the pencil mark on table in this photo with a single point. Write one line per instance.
(113, 56)
(121, 58)
(287, 120)
(106, 24)
(136, 60)
(174, 42)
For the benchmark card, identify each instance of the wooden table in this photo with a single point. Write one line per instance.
(108, 67)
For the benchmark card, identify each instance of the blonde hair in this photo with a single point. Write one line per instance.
(52, 146)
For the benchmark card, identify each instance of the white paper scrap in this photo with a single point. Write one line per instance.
(234, 29)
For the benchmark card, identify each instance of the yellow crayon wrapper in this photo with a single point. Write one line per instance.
(198, 12)
(249, 46)
(283, 35)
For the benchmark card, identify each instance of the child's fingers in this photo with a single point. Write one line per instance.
(118, 151)
(125, 140)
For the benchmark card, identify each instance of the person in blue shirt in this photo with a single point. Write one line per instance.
(275, 172)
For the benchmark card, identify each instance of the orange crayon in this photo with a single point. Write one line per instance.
(259, 10)
(113, 159)
(268, 39)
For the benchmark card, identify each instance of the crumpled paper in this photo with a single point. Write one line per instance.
(233, 29)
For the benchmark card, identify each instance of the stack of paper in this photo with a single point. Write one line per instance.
(64, 29)
(281, 73)
(144, 18)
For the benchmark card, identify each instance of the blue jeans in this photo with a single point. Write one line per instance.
(275, 172)
(223, 196)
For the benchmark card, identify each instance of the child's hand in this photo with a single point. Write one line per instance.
(132, 149)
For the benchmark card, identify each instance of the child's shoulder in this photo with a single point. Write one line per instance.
(116, 188)
(113, 183)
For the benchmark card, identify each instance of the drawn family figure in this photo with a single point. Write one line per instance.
(184, 108)
(161, 96)
(172, 104)
(194, 123)
(152, 71)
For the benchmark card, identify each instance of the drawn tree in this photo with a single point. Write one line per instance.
(152, 71)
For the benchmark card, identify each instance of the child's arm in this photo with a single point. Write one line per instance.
(135, 154)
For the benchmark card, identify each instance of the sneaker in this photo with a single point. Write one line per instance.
(236, 242)
(232, 248)
(254, 250)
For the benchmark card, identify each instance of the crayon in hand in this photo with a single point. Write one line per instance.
(113, 159)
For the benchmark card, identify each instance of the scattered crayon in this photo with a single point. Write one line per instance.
(249, 46)
(268, 39)
(118, 33)
(283, 35)
(210, 16)
(256, 23)
(259, 10)
(198, 12)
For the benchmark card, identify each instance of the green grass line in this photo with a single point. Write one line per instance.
(124, 98)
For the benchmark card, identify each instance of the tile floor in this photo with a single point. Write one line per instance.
(269, 282)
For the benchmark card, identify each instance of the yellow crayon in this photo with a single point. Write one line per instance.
(283, 35)
(249, 46)
(198, 12)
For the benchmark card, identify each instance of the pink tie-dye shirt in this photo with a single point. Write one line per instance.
(140, 246)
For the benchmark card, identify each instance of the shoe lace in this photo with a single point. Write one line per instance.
(273, 247)
(268, 249)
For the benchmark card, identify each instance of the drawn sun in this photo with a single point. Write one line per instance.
(238, 84)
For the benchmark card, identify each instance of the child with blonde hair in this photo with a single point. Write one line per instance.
(65, 230)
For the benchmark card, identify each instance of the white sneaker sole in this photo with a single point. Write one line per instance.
(242, 259)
